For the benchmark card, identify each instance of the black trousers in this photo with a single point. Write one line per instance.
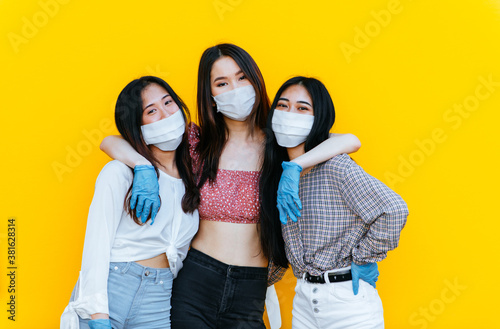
(210, 294)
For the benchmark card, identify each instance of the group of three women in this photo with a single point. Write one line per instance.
(200, 198)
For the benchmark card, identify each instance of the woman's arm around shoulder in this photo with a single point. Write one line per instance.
(289, 203)
(119, 149)
(336, 144)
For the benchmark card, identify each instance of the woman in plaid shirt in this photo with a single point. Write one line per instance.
(349, 220)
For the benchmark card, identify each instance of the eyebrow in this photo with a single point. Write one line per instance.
(152, 103)
(221, 78)
(286, 99)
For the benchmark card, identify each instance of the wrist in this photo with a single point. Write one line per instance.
(291, 165)
(142, 167)
(96, 316)
(142, 162)
(298, 162)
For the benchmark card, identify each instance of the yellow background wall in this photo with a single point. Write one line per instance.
(417, 81)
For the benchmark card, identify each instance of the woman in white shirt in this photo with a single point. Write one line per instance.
(128, 262)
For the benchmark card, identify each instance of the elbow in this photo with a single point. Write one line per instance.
(400, 216)
(354, 142)
(104, 144)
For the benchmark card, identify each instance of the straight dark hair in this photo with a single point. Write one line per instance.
(213, 129)
(274, 155)
(128, 119)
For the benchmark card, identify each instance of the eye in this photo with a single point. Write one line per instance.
(222, 84)
(281, 105)
(151, 111)
(242, 77)
(303, 108)
(168, 102)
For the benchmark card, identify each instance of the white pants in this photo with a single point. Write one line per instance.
(334, 306)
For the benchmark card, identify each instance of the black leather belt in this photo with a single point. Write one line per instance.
(333, 277)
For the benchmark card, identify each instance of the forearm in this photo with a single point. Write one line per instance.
(333, 146)
(383, 236)
(119, 149)
(380, 208)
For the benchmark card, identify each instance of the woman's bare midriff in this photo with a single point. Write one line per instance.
(160, 261)
(230, 243)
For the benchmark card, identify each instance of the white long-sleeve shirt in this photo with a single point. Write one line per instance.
(113, 236)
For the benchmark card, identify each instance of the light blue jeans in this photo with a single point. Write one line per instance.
(138, 297)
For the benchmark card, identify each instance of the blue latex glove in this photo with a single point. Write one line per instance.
(288, 192)
(145, 193)
(367, 272)
(100, 324)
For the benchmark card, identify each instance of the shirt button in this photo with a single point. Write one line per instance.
(316, 310)
(315, 301)
(146, 273)
(315, 290)
(116, 268)
(161, 282)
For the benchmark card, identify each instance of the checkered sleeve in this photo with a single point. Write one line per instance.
(274, 273)
(379, 207)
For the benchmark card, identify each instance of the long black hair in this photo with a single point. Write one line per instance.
(213, 129)
(274, 155)
(128, 119)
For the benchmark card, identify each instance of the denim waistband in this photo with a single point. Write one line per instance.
(146, 273)
(237, 272)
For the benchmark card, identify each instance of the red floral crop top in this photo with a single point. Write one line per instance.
(234, 195)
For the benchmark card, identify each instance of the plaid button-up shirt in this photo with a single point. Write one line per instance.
(347, 216)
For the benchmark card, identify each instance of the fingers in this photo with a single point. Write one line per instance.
(355, 278)
(293, 190)
(133, 199)
(366, 272)
(154, 211)
(139, 206)
(291, 214)
(287, 207)
(291, 208)
(146, 210)
(297, 201)
(376, 278)
(355, 283)
(282, 214)
(375, 274)
(355, 286)
(371, 273)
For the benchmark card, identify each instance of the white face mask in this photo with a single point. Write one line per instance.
(291, 129)
(165, 134)
(236, 104)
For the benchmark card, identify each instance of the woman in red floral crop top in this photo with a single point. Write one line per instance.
(225, 275)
